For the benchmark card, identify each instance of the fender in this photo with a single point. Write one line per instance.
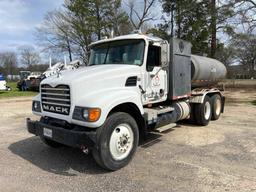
(106, 100)
(198, 95)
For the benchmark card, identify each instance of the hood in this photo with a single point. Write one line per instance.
(91, 73)
(94, 78)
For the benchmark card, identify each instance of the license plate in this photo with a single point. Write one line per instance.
(48, 132)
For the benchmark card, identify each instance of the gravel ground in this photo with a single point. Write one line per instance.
(219, 157)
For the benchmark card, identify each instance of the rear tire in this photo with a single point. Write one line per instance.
(216, 106)
(117, 141)
(203, 112)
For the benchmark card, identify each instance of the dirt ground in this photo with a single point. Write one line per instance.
(219, 157)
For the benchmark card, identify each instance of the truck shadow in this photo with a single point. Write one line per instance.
(63, 161)
(151, 139)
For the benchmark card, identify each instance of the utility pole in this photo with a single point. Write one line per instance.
(172, 20)
(213, 27)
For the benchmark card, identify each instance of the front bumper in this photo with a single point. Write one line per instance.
(72, 138)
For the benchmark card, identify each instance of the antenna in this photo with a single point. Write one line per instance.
(65, 61)
(112, 33)
(50, 62)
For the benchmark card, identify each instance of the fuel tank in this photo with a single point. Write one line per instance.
(206, 71)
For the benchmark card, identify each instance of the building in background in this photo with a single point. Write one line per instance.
(240, 72)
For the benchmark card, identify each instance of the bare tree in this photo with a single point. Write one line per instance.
(74, 27)
(28, 56)
(55, 33)
(245, 12)
(245, 47)
(118, 20)
(9, 61)
(139, 17)
(249, 15)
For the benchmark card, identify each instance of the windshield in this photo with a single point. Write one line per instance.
(118, 52)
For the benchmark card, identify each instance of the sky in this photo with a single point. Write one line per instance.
(19, 19)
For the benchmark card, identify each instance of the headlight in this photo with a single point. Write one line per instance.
(36, 106)
(86, 114)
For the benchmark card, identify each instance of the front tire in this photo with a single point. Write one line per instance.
(117, 141)
(203, 112)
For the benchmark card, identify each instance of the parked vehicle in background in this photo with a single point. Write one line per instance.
(134, 84)
(3, 86)
(31, 80)
(21, 84)
(24, 74)
(34, 75)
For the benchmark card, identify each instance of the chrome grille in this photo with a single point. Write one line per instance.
(56, 99)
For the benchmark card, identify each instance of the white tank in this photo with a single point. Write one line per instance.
(206, 70)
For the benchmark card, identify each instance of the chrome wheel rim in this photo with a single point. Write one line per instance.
(121, 141)
(207, 110)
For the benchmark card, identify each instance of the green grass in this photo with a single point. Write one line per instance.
(253, 102)
(15, 92)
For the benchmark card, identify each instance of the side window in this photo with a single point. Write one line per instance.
(153, 58)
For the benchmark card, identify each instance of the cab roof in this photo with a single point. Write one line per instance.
(130, 36)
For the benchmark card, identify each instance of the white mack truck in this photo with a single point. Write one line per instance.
(133, 84)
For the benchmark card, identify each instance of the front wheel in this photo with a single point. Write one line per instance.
(117, 141)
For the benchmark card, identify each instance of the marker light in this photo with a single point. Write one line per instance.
(94, 114)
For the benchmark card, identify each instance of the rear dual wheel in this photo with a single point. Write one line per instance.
(210, 109)
(203, 112)
(216, 106)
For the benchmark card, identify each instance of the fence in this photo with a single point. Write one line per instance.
(239, 83)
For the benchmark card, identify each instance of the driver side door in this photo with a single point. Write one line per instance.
(155, 85)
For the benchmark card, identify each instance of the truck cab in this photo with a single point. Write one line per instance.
(132, 84)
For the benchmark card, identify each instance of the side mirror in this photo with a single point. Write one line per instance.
(165, 55)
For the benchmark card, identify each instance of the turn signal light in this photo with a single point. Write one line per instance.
(94, 114)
